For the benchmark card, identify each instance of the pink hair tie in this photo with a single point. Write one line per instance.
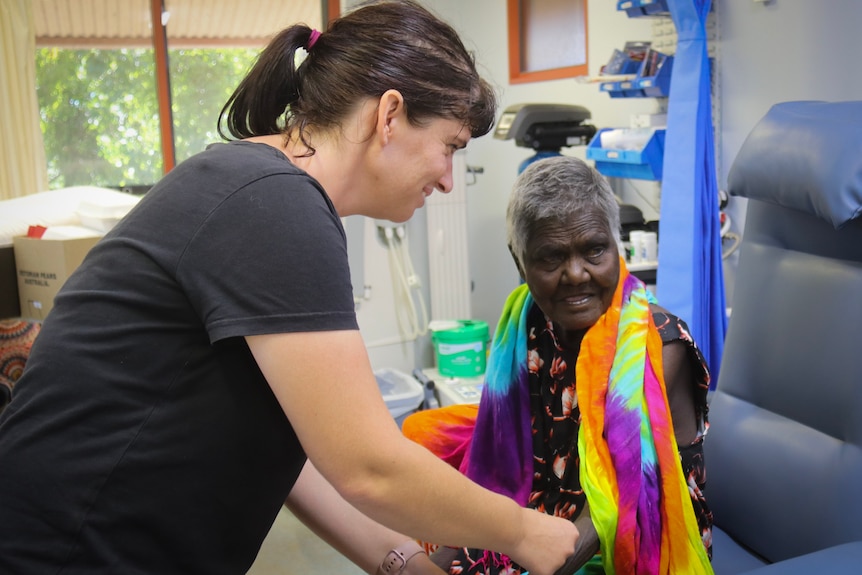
(312, 38)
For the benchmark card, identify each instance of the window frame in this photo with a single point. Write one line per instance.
(517, 75)
(331, 9)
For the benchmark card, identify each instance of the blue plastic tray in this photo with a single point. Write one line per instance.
(657, 86)
(644, 164)
(636, 8)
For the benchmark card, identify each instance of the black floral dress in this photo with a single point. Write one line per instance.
(556, 417)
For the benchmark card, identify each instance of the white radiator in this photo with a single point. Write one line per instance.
(449, 268)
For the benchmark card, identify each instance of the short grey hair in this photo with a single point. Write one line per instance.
(550, 190)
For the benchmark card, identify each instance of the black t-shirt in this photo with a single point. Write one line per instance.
(142, 437)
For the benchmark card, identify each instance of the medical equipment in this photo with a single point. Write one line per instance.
(429, 388)
(546, 128)
(451, 390)
(405, 281)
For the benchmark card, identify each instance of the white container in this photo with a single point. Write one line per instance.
(636, 239)
(102, 214)
(402, 393)
(650, 245)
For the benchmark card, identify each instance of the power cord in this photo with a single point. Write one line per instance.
(724, 220)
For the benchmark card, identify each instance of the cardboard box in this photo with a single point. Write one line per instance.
(43, 266)
(9, 306)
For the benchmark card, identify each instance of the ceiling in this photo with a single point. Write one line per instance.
(114, 23)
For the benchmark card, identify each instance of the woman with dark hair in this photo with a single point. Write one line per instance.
(204, 364)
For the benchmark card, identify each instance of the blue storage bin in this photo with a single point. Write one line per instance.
(622, 63)
(636, 8)
(643, 164)
(652, 86)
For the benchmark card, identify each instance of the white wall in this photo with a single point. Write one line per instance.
(389, 342)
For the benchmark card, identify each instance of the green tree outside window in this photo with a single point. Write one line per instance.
(99, 111)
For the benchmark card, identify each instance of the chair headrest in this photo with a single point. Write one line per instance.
(807, 156)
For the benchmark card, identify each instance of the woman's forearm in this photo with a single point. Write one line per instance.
(456, 512)
(365, 542)
(359, 449)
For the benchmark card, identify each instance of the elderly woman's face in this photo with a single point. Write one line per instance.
(572, 268)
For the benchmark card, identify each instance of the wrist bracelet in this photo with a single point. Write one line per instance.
(397, 558)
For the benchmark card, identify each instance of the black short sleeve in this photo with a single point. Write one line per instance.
(271, 257)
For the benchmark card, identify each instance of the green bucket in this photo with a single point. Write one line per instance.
(461, 347)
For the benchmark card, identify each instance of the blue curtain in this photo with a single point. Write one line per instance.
(690, 279)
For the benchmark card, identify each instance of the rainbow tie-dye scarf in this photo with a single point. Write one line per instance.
(630, 466)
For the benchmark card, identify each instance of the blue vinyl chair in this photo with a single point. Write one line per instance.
(784, 451)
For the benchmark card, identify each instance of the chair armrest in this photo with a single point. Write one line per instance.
(842, 559)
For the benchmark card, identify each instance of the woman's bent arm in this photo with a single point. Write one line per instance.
(325, 385)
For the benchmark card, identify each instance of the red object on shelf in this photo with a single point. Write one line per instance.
(36, 232)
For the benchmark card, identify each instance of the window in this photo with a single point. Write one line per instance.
(547, 39)
(110, 115)
(100, 114)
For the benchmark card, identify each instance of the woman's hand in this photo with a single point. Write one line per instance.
(547, 543)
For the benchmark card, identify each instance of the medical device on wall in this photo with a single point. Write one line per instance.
(406, 285)
(545, 128)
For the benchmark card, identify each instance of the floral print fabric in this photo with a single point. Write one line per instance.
(556, 486)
